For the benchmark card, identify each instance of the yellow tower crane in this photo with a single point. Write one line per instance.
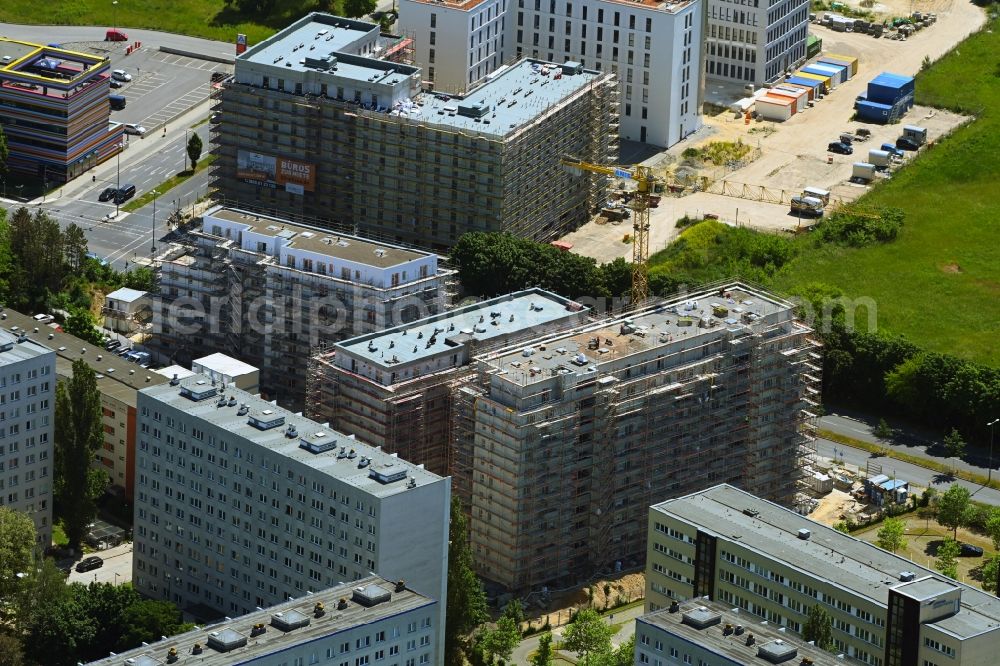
(646, 184)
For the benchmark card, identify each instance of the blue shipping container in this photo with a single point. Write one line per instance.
(798, 80)
(873, 111)
(889, 88)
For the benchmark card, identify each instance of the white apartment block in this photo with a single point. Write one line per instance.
(754, 41)
(774, 565)
(371, 621)
(27, 408)
(241, 504)
(653, 47)
(461, 42)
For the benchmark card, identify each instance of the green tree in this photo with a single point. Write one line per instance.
(624, 654)
(74, 246)
(947, 558)
(992, 526)
(543, 656)
(17, 554)
(953, 507)
(44, 586)
(79, 432)
(37, 248)
(891, 535)
(818, 628)
(60, 633)
(515, 611)
(140, 278)
(147, 620)
(882, 430)
(989, 572)
(194, 147)
(10, 650)
(466, 607)
(588, 634)
(618, 276)
(498, 642)
(81, 324)
(359, 8)
(954, 444)
(842, 526)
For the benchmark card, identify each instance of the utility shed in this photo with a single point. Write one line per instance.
(776, 108)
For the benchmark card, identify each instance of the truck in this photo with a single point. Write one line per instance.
(807, 206)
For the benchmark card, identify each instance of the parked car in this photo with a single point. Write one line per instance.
(840, 147)
(124, 193)
(116, 84)
(89, 564)
(215, 117)
(892, 150)
(906, 144)
(121, 75)
(968, 550)
(115, 36)
(107, 194)
(43, 318)
(132, 128)
(111, 345)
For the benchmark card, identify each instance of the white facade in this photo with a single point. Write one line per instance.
(653, 47)
(749, 41)
(27, 408)
(459, 43)
(241, 504)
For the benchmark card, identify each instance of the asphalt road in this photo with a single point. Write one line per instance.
(117, 567)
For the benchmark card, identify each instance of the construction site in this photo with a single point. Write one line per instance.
(339, 135)
(394, 388)
(566, 442)
(273, 293)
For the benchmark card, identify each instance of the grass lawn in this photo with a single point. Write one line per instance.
(59, 537)
(923, 538)
(201, 18)
(939, 282)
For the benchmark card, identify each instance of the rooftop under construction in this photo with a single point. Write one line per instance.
(561, 445)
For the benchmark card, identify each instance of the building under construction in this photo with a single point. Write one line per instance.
(564, 444)
(393, 389)
(317, 124)
(271, 293)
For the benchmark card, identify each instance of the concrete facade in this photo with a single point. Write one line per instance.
(774, 564)
(125, 310)
(341, 138)
(272, 293)
(55, 111)
(27, 415)
(241, 504)
(364, 622)
(562, 445)
(653, 48)
(394, 389)
(755, 42)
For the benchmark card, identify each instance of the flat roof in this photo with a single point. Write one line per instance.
(512, 98)
(846, 562)
(116, 377)
(467, 5)
(496, 317)
(30, 62)
(226, 365)
(343, 457)
(297, 613)
(19, 351)
(707, 312)
(321, 241)
(318, 34)
(126, 294)
(714, 638)
(172, 370)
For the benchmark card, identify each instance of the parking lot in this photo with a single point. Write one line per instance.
(794, 153)
(163, 85)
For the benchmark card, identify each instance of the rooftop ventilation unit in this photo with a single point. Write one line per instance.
(370, 595)
(289, 620)
(200, 391)
(242, 411)
(320, 442)
(777, 651)
(267, 420)
(906, 576)
(571, 67)
(804, 534)
(387, 472)
(476, 110)
(753, 513)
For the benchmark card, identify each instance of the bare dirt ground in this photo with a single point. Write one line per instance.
(627, 588)
(794, 155)
(834, 506)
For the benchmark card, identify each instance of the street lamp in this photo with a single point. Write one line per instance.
(114, 4)
(116, 577)
(992, 426)
(152, 250)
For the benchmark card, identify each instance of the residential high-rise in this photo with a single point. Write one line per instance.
(754, 42)
(568, 440)
(54, 110)
(365, 622)
(653, 47)
(393, 388)
(271, 293)
(317, 125)
(776, 565)
(241, 504)
(27, 412)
